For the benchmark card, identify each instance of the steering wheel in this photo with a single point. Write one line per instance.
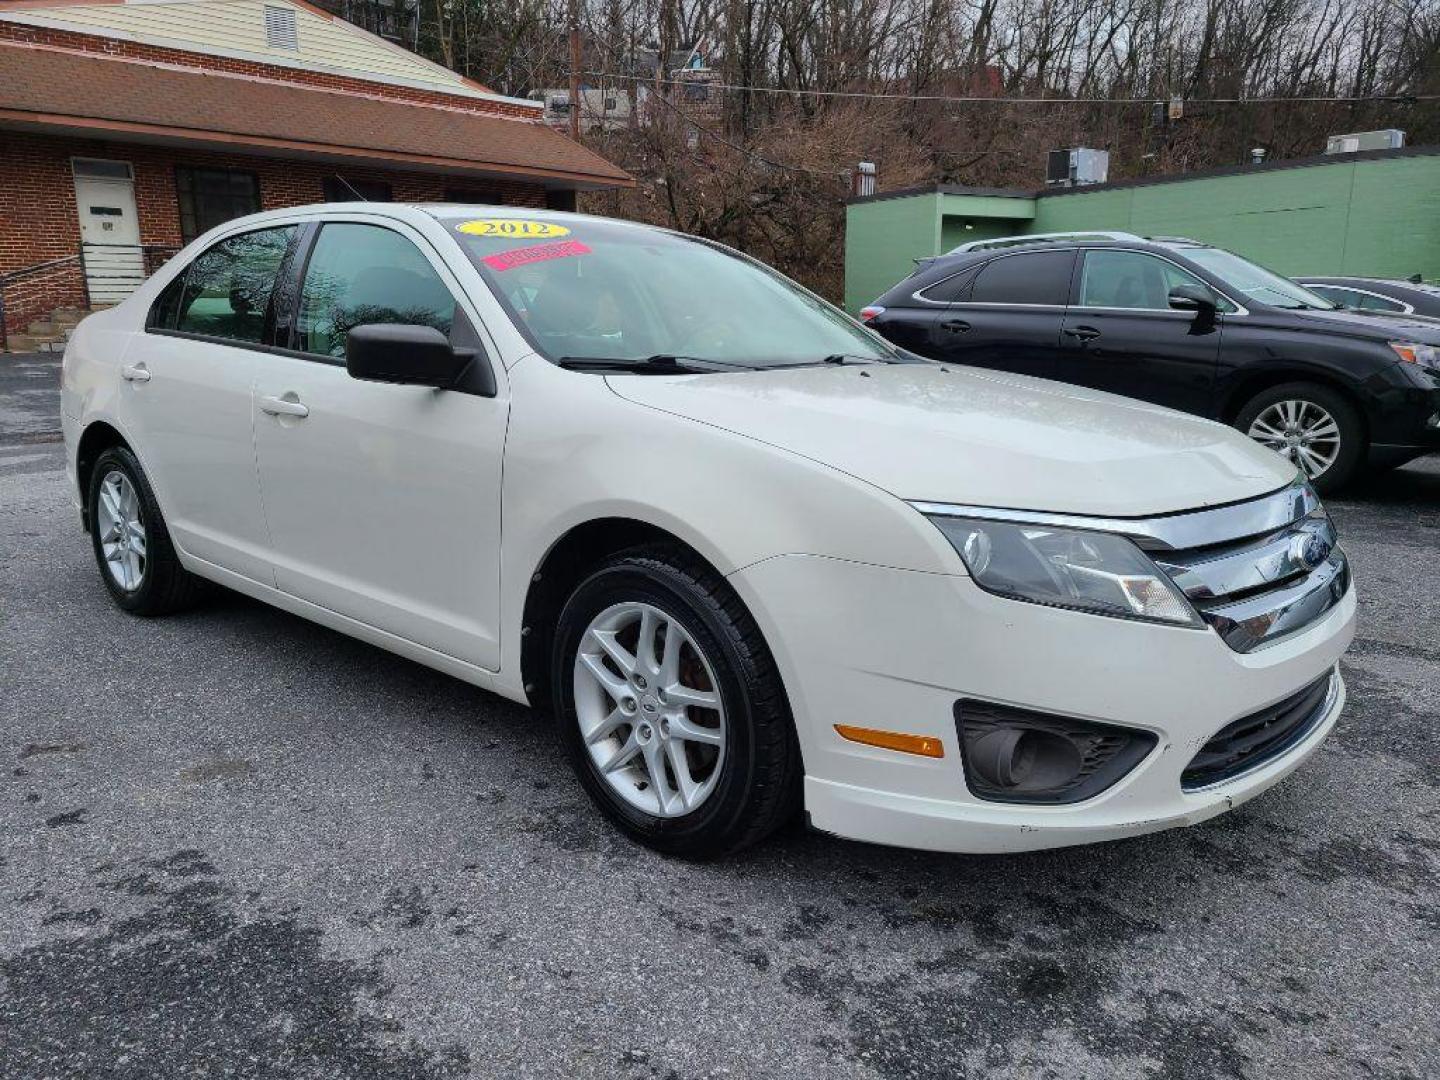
(709, 334)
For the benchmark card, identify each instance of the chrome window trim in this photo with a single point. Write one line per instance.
(1405, 308)
(1004, 304)
(1169, 532)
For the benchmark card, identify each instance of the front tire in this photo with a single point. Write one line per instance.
(132, 545)
(671, 706)
(1311, 425)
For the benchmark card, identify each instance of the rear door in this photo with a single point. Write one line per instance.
(186, 401)
(1009, 318)
(1121, 335)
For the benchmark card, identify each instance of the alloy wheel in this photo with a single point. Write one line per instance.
(122, 532)
(1301, 431)
(649, 709)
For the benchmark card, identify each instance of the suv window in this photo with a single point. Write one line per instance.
(951, 289)
(1037, 277)
(1132, 279)
(224, 293)
(363, 274)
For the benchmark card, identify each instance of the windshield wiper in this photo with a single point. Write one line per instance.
(853, 358)
(659, 364)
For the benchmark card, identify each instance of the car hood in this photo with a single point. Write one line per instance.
(960, 435)
(1380, 325)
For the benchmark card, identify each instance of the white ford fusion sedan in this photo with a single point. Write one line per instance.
(751, 557)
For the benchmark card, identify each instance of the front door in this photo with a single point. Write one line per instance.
(383, 500)
(1121, 334)
(109, 229)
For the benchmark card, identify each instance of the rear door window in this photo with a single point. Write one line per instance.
(364, 274)
(1036, 277)
(226, 291)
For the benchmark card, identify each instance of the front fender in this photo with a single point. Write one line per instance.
(578, 452)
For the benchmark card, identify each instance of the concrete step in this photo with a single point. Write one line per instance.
(46, 329)
(25, 343)
(68, 314)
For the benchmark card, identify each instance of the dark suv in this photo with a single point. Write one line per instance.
(1186, 325)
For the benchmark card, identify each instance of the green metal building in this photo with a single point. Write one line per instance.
(1374, 214)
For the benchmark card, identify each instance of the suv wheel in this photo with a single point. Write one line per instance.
(132, 545)
(671, 707)
(1311, 425)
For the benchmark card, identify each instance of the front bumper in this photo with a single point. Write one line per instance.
(876, 647)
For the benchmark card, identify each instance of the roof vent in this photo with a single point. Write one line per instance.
(280, 28)
(1389, 139)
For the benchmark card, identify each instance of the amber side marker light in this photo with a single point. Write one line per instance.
(924, 745)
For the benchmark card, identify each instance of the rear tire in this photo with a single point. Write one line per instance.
(738, 753)
(132, 545)
(1315, 427)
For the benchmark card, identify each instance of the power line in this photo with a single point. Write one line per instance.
(1405, 99)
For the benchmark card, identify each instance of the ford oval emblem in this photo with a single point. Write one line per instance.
(1310, 550)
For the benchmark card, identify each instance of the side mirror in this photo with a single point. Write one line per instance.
(413, 355)
(1195, 298)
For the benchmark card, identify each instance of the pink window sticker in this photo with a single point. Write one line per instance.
(509, 260)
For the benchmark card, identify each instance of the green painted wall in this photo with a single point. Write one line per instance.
(882, 241)
(1377, 217)
(884, 238)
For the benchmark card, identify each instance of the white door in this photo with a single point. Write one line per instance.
(186, 399)
(383, 500)
(109, 229)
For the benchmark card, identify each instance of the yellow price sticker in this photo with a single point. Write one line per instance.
(512, 228)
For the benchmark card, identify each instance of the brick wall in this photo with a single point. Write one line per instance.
(39, 220)
(90, 43)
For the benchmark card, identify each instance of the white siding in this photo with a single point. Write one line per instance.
(231, 27)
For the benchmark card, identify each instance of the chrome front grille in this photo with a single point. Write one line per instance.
(1259, 588)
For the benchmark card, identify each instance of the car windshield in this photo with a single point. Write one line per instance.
(587, 288)
(1255, 281)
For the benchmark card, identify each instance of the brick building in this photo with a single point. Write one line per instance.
(128, 127)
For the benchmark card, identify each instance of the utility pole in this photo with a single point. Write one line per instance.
(575, 70)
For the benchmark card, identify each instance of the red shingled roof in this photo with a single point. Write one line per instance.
(54, 90)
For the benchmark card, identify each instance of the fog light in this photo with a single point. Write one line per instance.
(1016, 755)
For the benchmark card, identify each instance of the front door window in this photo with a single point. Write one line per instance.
(364, 274)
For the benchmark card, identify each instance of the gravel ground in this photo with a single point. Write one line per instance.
(233, 844)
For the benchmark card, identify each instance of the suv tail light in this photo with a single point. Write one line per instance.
(869, 312)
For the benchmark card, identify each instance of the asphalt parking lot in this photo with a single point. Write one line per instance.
(234, 844)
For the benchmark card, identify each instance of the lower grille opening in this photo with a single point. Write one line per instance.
(1255, 739)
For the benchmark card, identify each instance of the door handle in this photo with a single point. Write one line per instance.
(135, 373)
(956, 326)
(279, 406)
(1084, 333)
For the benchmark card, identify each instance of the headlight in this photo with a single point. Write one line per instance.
(1070, 568)
(1413, 352)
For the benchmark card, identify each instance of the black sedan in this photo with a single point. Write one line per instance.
(1386, 295)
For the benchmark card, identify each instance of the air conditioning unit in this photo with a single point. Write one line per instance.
(1389, 139)
(1077, 166)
